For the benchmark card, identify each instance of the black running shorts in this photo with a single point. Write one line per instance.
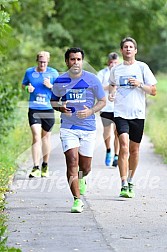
(133, 127)
(43, 117)
(107, 118)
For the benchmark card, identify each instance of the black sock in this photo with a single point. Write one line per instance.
(75, 198)
(44, 164)
(36, 166)
(108, 150)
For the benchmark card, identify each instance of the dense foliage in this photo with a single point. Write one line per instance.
(97, 26)
(8, 92)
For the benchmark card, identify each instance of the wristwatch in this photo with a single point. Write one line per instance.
(141, 85)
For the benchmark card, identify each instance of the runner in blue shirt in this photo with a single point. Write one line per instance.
(38, 82)
(78, 95)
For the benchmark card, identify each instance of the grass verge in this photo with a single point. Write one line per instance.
(156, 120)
(17, 141)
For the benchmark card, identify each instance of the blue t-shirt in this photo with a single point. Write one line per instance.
(78, 92)
(40, 98)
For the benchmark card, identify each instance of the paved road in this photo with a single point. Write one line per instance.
(39, 209)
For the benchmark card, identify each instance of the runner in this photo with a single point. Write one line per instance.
(38, 82)
(107, 114)
(81, 94)
(130, 81)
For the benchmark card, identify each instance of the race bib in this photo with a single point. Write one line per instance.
(41, 99)
(76, 95)
(123, 81)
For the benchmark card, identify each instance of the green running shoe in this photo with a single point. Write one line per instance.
(131, 191)
(35, 173)
(82, 186)
(77, 206)
(124, 192)
(45, 171)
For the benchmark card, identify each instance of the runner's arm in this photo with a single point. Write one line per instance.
(151, 90)
(99, 105)
(112, 91)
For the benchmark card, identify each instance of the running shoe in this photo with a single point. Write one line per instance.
(108, 159)
(82, 186)
(77, 206)
(115, 161)
(131, 191)
(44, 171)
(35, 173)
(124, 192)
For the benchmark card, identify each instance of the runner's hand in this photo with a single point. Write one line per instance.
(84, 113)
(30, 88)
(134, 82)
(111, 96)
(63, 109)
(47, 83)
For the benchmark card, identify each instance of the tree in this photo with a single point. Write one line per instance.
(98, 26)
(8, 97)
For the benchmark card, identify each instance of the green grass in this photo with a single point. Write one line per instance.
(18, 140)
(10, 147)
(156, 120)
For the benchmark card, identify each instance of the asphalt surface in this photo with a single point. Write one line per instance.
(39, 209)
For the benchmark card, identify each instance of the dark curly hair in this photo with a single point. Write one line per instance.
(73, 50)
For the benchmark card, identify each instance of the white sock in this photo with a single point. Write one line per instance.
(124, 183)
(130, 180)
